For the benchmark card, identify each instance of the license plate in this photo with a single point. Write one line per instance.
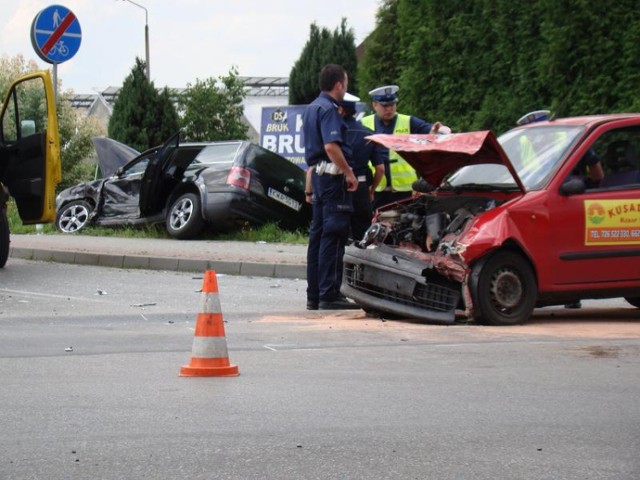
(284, 199)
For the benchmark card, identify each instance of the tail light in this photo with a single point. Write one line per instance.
(239, 177)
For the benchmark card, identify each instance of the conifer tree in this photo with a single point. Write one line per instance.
(141, 117)
(322, 47)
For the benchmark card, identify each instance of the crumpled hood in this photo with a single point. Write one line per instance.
(435, 157)
(112, 154)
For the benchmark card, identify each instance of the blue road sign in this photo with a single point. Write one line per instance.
(56, 34)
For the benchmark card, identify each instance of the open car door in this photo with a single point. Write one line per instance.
(151, 187)
(29, 153)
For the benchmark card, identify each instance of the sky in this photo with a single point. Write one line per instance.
(188, 39)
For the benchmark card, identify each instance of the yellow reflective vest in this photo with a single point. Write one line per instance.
(401, 173)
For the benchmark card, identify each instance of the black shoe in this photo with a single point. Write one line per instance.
(577, 304)
(338, 304)
(312, 304)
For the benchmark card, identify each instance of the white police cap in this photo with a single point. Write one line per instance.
(349, 101)
(536, 116)
(386, 95)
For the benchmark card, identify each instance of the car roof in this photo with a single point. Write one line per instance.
(585, 120)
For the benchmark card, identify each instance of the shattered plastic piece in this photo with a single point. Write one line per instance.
(143, 304)
(68, 349)
(101, 292)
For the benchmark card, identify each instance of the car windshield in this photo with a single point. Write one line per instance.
(535, 152)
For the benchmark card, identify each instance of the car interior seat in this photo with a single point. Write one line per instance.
(621, 165)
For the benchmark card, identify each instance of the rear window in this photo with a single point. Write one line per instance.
(217, 154)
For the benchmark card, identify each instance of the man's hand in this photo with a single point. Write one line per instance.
(351, 180)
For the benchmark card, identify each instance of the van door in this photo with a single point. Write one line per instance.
(30, 147)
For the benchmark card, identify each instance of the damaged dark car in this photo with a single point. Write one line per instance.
(511, 224)
(187, 186)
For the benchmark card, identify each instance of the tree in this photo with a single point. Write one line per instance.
(323, 47)
(478, 64)
(74, 128)
(213, 109)
(379, 65)
(142, 118)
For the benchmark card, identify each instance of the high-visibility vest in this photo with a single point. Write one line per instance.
(402, 174)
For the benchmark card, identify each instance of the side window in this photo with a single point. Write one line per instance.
(137, 168)
(614, 156)
(26, 112)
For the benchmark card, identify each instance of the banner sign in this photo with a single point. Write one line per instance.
(281, 131)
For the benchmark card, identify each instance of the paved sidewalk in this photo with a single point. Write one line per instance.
(235, 258)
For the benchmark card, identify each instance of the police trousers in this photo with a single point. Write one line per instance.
(332, 209)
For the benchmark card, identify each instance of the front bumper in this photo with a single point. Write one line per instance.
(384, 279)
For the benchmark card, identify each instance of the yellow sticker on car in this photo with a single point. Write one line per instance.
(612, 222)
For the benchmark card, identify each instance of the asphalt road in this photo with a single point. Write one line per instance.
(89, 362)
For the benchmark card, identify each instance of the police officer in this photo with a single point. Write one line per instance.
(363, 152)
(328, 154)
(399, 175)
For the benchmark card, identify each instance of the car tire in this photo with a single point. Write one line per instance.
(506, 289)
(184, 217)
(73, 216)
(635, 301)
(4, 237)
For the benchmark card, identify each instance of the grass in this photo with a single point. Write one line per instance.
(267, 233)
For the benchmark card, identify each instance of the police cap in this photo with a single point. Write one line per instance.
(387, 95)
(349, 101)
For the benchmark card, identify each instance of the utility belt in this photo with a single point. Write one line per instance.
(327, 168)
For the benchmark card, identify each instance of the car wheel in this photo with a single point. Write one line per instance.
(73, 216)
(635, 301)
(184, 219)
(4, 237)
(506, 289)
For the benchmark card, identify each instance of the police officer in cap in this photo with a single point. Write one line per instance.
(328, 156)
(399, 175)
(363, 152)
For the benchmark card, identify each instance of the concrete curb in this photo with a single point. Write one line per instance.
(161, 263)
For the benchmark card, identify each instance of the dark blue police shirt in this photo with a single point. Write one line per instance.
(322, 124)
(362, 149)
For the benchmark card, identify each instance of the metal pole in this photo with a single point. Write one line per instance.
(146, 43)
(146, 37)
(55, 84)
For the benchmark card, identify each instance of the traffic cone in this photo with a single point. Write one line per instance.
(209, 353)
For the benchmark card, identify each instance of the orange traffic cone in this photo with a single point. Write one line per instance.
(209, 353)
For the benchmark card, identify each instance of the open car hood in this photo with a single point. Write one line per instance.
(112, 154)
(436, 156)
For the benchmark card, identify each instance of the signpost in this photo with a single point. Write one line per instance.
(56, 36)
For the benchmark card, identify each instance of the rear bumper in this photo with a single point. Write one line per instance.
(385, 280)
(226, 209)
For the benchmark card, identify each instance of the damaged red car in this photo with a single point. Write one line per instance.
(546, 214)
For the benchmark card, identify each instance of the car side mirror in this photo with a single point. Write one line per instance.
(573, 186)
(27, 127)
(118, 172)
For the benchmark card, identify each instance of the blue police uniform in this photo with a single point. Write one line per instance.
(332, 203)
(363, 152)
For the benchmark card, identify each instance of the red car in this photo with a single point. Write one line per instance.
(546, 214)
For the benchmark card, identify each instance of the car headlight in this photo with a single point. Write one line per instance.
(375, 234)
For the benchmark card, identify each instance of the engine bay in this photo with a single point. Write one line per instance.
(422, 223)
